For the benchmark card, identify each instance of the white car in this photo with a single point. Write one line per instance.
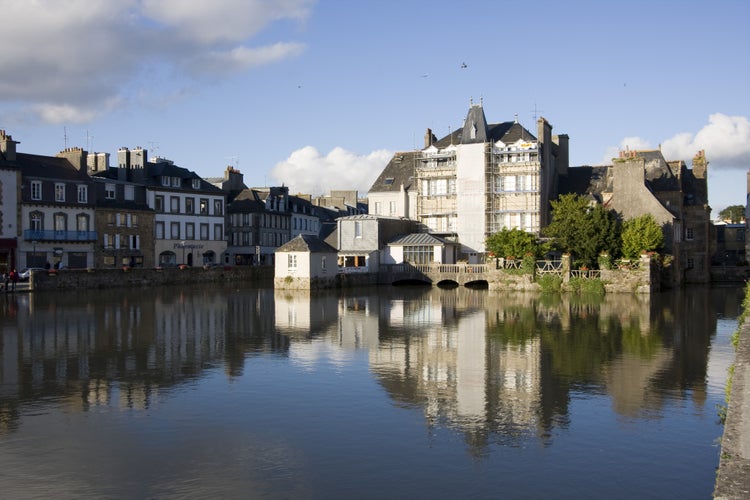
(26, 273)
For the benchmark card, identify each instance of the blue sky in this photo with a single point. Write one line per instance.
(318, 95)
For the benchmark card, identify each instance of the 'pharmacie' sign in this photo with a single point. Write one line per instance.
(191, 246)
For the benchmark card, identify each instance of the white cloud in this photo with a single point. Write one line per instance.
(725, 139)
(79, 56)
(308, 171)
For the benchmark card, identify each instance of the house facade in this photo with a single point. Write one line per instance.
(361, 239)
(305, 262)
(57, 211)
(10, 184)
(644, 182)
(475, 181)
(124, 224)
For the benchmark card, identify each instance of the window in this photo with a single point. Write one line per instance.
(323, 263)
(82, 222)
(36, 190)
(174, 204)
(165, 180)
(217, 207)
(37, 221)
(159, 203)
(159, 230)
(83, 194)
(189, 205)
(357, 229)
(218, 232)
(134, 220)
(204, 206)
(108, 241)
(421, 254)
(174, 230)
(61, 222)
(204, 231)
(176, 182)
(129, 192)
(190, 231)
(59, 191)
(196, 183)
(378, 209)
(740, 235)
(291, 260)
(135, 242)
(109, 191)
(689, 233)
(392, 208)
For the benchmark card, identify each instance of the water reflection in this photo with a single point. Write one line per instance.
(500, 368)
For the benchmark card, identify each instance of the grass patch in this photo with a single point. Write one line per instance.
(549, 283)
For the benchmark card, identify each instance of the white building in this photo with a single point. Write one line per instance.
(475, 181)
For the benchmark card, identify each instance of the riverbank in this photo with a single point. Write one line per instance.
(77, 279)
(733, 476)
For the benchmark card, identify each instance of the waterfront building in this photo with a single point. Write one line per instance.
(124, 223)
(259, 222)
(305, 262)
(361, 240)
(188, 223)
(56, 208)
(10, 185)
(644, 182)
(475, 181)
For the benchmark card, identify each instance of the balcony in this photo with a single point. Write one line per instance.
(52, 235)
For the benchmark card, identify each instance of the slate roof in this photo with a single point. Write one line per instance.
(399, 172)
(508, 132)
(306, 243)
(587, 181)
(49, 167)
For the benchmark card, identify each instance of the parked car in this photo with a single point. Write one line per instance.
(26, 273)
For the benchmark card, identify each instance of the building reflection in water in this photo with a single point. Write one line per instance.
(497, 367)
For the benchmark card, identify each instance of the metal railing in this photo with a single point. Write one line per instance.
(52, 235)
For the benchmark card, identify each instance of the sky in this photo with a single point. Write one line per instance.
(318, 95)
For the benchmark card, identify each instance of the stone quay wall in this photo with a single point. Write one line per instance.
(77, 279)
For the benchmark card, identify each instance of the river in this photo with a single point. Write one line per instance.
(388, 392)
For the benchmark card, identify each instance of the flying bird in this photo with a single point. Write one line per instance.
(463, 65)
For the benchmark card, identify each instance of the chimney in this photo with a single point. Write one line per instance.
(429, 138)
(7, 146)
(76, 157)
(700, 165)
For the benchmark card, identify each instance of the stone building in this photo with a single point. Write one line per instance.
(644, 182)
(10, 188)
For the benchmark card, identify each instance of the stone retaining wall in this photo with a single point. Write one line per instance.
(69, 279)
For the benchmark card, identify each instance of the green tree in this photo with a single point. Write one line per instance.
(583, 230)
(641, 234)
(512, 243)
(733, 214)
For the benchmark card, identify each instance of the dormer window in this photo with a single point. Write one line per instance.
(165, 180)
(175, 182)
(388, 181)
(473, 132)
(196, 183)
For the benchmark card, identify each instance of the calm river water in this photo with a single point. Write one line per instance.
(226, 392)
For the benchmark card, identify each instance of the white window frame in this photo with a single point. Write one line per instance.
(36, 190)
(60, 192)
(83, 193)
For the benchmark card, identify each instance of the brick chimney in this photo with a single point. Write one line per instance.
(77, 157)
(7, 146)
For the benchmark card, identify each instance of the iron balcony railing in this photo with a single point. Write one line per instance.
(52, 235)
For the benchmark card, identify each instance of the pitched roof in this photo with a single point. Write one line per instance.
(399, 172)
(414, 239)
(50, 167)
(306, 243)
